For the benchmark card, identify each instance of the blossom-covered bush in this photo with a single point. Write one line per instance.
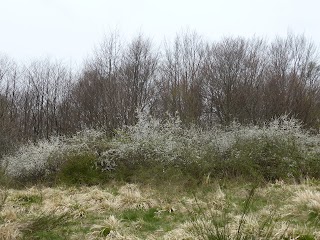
(153, 140)
(34, 160)
(279, 149)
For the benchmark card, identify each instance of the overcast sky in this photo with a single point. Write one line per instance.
(69, 29)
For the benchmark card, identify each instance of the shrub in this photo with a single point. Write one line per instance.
(37, 161)
(30, 161)
(311, 166)
(266, 158)
(80, 169)
(273, 151)
(277, 150)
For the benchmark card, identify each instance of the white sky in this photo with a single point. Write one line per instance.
(69, 29)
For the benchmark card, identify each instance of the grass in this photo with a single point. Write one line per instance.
(29, 199)
(46, 226)
(232, 210)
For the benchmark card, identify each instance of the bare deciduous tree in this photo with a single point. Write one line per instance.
(9, 134)
(137, 77)
(292, 83)
(234, 71)
(180, 81)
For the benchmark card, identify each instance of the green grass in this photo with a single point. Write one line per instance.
(29, 199)
(46, 226)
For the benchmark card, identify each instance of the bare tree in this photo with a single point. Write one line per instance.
(43, 90)
(9, 134)
(180, 81)
(292, 84)
(95, 97)
(137, 75)
(247, 80)
(234, 70)
(116, 81)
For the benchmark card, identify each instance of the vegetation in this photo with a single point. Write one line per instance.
(221, 210)
(160, 180)
(199, 141)
(152, 149)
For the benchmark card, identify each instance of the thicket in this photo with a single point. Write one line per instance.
(249, 80)
(167, 151)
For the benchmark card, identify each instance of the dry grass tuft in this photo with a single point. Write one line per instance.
(178, 234)
(308, 198)
(9, 231)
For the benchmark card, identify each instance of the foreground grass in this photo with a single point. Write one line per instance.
(220, 210)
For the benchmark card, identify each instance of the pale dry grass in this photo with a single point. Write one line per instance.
(107, 227)
(308, 198)
(178, 234)
(100, 209)
(9, 231)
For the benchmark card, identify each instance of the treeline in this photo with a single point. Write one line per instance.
(248, 80)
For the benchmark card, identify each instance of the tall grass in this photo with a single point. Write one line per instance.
(211, 223)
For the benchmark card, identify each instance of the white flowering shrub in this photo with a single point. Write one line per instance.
(152, 140)
(39, 159)
(31, 158)
(279, 149)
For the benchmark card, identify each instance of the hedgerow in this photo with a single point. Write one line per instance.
(277, 150)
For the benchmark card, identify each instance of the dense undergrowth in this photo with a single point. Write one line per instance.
(154, 150)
